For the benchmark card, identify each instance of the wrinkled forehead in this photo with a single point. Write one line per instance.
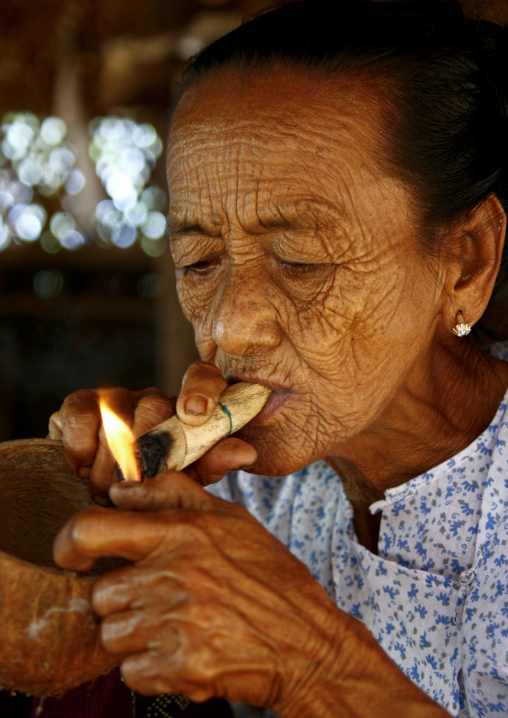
(250, 149)
(278, 153)
(267, 107)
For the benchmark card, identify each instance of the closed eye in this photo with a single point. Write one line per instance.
(300, 267)
(201, 267)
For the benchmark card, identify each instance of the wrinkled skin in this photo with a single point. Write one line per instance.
(298, 265)
(78, 425)
(216, 606)
(293, 266)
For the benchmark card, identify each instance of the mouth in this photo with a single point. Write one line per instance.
(278, 397)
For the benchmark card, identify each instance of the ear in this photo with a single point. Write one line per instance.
(473, 262)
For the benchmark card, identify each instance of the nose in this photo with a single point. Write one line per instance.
(245, 320)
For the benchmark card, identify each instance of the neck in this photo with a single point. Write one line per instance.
(443, 406)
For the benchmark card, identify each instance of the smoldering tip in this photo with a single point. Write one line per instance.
(153, 449)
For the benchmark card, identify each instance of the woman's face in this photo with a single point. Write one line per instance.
(296, 259)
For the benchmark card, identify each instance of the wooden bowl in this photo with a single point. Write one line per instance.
(50, 636)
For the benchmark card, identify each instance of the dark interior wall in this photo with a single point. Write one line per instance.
(100, 330)
(44, 360)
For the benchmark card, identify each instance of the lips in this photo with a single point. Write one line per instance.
(278, 397)
(276, 400)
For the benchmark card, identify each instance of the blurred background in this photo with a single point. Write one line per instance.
(87, 294)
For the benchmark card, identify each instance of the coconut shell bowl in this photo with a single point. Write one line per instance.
(50, 635)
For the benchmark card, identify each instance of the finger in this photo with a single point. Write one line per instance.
(136, 631)
(79, 422)
(202, 386)
(228, 455)
(85, 445)
(99, 532)
(136, 588)
(152, 673)
(55, 428)
(102, 473)
(157, 671)
(153, 406)
(170, 490)
(140, 410)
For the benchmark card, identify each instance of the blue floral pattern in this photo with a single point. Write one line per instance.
(436, 595)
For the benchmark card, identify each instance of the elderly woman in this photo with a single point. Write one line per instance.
(337, 177)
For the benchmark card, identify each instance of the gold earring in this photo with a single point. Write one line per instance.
(461, 329)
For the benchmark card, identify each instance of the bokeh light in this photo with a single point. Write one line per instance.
(50, 243)
(5, 237)
(153, 247)
(63, 227)
(53, 130)
(48, 283)
(38, 162)
(27, 220)
(39, 154)
(74, 182)
(125, 154)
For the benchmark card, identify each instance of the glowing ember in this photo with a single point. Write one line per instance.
(121, 442)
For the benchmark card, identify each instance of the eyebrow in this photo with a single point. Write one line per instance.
(178, 228)
(301, 216)
(291, 219)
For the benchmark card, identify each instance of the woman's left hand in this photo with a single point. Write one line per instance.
(213, 606)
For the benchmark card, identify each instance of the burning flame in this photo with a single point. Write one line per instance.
(121, 442)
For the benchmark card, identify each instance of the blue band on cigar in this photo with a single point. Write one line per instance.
(228, 414)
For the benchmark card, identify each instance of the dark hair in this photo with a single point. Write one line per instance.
(444, 95)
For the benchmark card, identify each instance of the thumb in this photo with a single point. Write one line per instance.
(170, 490)
(97, 532)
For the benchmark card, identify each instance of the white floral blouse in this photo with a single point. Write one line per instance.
(436, 595)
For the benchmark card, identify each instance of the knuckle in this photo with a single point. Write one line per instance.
(203, 371)
(99, 598)
(151, 391)
(55, 425)
(203, 669)
(153, 409)
(85, 526)
(82, 420)
(83, 396)
(56, 417)
(204, 367)
(149, 678)
(109, 633)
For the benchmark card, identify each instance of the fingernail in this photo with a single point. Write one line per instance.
(84, 472)
(196, 405)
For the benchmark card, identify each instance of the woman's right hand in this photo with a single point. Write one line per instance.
(78, 425)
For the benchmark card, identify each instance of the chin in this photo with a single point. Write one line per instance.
(275, 456)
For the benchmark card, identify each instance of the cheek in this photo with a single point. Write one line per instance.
(321, 330)
(362, 340)
(196, 298)
(198, 308)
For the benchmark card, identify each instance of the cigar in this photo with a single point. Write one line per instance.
(174, 445)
